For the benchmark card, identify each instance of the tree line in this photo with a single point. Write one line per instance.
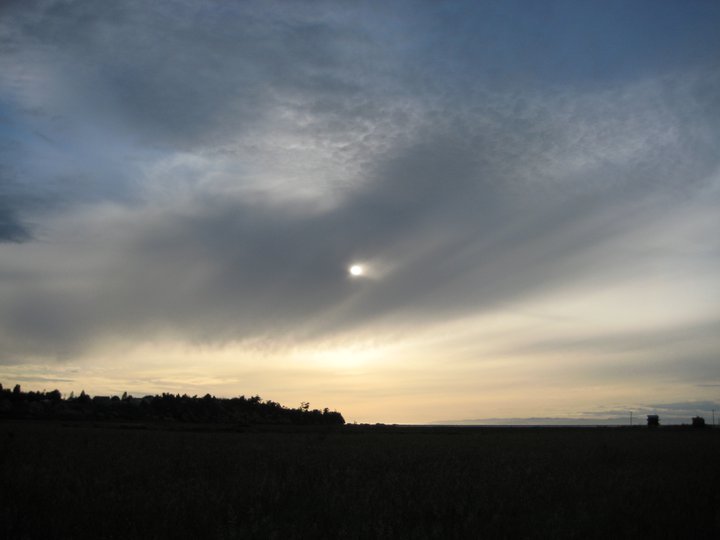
(164, 407)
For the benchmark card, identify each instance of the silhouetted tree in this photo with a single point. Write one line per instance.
(17, 404)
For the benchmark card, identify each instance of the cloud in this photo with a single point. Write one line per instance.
(182, 84)
(207, 171)
(11, 228)
(670, 413)
(32, 379)
(88, 112)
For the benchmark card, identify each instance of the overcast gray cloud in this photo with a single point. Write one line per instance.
(208, 170)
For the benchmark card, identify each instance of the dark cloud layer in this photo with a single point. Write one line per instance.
(11, 229)
(477, 156)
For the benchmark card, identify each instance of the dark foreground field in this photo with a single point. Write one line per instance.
(353, 482)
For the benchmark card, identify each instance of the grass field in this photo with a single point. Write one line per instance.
(85, 481)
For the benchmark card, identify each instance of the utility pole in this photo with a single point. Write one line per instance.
(713, 418)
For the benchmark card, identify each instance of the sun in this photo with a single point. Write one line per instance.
(356, 270)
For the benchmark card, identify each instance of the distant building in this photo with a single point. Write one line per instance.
(698, 422)
(653, 420)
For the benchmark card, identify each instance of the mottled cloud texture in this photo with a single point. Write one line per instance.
(204, 172)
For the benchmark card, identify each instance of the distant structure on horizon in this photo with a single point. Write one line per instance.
(653, 420)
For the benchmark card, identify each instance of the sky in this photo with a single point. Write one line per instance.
(531, 189)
